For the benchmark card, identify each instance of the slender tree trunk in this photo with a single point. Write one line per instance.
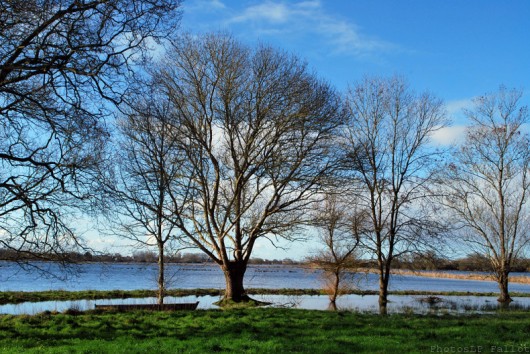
(234, 273)
(335, 290)
(161, 279)
(502, 280)
(332, 306)
(383, 290)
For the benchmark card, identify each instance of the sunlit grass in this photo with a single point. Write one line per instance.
(257, 331)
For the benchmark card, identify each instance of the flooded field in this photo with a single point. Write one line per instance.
(94, 276)
(358, 303)
(116, 276)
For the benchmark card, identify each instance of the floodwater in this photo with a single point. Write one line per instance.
(358, 303)
(134, 276)
(116, 276)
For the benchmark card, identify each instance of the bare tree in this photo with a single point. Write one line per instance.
(339, 232)
(387, 149)
(148, 166)
(256, 127)
(58, 59)
(488, 185)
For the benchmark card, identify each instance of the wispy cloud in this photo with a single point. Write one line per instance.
(348, 38)
(267, 12)
(204, 5)
(309, 18)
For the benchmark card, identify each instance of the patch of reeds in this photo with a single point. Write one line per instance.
(470, 276)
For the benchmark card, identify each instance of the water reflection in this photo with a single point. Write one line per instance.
(357, 303)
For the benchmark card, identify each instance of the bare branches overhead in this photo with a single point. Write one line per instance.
(58, 59)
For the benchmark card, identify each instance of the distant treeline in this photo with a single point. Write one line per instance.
(425, 261)
(472, 262)
(137, 257)
(183, 257)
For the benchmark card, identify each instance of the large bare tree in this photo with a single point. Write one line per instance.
(387, 149)
(488, 182)
(256, 127)
(58, 59)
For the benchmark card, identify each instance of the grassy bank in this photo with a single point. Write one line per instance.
(259, 331)
(16, 297)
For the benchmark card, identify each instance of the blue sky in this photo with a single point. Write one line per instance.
(457, 49)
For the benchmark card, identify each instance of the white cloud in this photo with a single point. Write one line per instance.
(449, 135)
(456, 108)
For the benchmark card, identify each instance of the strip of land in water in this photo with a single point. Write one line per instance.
(16, 297)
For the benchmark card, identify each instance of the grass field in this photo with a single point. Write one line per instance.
(262, 331)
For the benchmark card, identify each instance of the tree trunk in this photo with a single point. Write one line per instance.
(161, 279)
(335, 290)
(234, 273)
(332, 306)
(502, 280)
(383, 292)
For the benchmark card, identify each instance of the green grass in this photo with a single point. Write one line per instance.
(15, 297)
(259, 331)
